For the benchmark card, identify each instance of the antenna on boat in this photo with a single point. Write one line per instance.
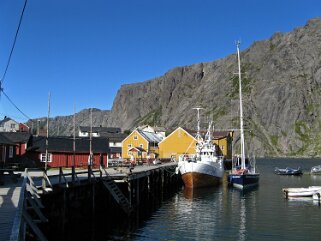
(241, 106)
(198, 135)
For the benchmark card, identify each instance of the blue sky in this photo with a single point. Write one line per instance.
(82, 51)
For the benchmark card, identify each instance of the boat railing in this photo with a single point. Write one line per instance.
(188, 157)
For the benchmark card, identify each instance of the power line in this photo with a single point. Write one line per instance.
(15, 105)
(13, 45)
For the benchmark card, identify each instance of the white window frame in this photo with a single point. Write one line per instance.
(10, 151)
(43, 157)
(135, 137)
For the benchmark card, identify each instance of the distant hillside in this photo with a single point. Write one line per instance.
(281, 87)
(63, 125)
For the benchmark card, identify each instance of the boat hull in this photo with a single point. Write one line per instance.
(243, 180)
(201, 174)
(301, 192)
(316, 170)
(288, 171)
(196, 180)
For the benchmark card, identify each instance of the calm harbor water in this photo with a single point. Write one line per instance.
(225, 213)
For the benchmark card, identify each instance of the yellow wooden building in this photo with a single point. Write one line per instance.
(177, 143)
(224, 140)
(141, 145)
(181, 142)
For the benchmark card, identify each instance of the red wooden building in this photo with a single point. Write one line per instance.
(61, 152)
(13, 145)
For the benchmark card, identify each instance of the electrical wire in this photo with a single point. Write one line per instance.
(9, 60)
(13, 45)
(15, 106)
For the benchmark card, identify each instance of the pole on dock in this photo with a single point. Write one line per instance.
(74, 147)
(47, 137)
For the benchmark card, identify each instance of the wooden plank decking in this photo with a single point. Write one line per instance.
(9, 199)
(10, 191)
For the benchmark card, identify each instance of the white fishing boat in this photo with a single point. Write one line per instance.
(316, 170)
(243, 174)
(301, 192)
(205, 168)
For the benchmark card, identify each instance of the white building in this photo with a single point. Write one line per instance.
(8, 125)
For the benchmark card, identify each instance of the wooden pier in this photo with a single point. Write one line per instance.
(9, 200)
(21, 203)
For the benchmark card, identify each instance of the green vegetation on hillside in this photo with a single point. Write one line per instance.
(152, 118)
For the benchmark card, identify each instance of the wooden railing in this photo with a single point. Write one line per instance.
(28, 200)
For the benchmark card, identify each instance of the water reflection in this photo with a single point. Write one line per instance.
(204, 192)
(224, 213)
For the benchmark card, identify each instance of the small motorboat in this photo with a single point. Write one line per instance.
(301, 192)
(316, 170)
(316, 196)
(288, 171)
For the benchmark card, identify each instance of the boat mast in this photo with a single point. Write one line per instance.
(198, 135)
(241, 108)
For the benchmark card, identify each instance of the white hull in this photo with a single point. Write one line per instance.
(201, 173)
(317, 196)
(301, 192)
(208, 168)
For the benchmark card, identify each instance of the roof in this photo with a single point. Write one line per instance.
(155, 128)
(100, 129)
(114, 137)
(115, 149)
(5, 119)
(17, 137)
(151, 137)
(65, 144)
(138, 149)
(220, 134)
(159, 129)
(5, 141)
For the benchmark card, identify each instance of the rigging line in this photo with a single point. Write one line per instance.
(14, 43)
(16, 106)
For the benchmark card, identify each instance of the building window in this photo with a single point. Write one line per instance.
(43, 157)
(141, 145)
(222, 148)
(135, 137)
(130, 153)
(129, 146)
(13, 126)
(10, 151)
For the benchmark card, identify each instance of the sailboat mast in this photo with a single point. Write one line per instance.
(241, 108)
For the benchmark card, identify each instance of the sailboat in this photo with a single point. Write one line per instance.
(243, 173)
(205, 168)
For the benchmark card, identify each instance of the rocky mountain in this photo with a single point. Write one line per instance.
(281, 91)
(63, 125)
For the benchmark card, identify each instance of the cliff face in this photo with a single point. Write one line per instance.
(281, 96)
(281, 88)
